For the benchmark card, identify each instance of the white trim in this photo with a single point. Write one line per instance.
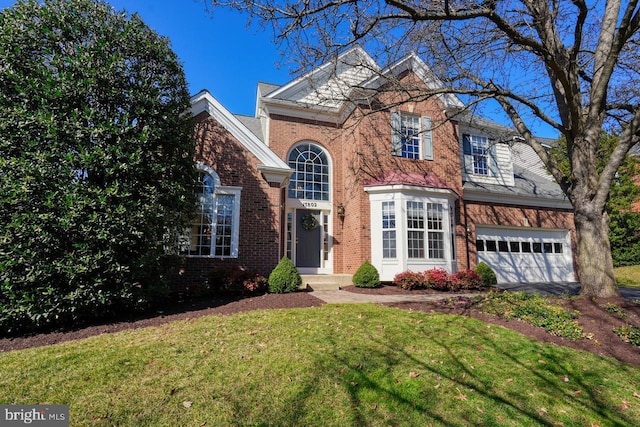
(294, 201)
(389, 267)
(356, 51)
(413, 63)
(205, 168)
(408, 189)
(219, 189)
(527, 266)
(205, 102)
(512, 199)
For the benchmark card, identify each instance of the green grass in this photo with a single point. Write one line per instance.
(628, 276)
(339, 365)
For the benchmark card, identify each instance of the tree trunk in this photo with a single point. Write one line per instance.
(595, 264)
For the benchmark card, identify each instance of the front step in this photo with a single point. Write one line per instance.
(325, 282)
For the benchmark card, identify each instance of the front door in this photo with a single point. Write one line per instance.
(308, 239)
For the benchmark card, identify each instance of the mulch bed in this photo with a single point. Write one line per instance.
(597, 322)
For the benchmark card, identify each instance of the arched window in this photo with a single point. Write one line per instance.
(310, 179)
(214, 229)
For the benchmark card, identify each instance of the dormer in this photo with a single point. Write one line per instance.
(485, 151)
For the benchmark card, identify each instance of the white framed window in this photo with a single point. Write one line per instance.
(411, 136)
(478, 154)
(425, 219)
(214, 230)
(435, 229)
(415, 229)
(310, 179)
(389, 230)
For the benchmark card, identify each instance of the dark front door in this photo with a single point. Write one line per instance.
(308, 239)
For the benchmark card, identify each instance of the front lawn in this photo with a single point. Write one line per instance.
(628, 276)
(331, 365)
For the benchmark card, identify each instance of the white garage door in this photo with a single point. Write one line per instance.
(526, 254)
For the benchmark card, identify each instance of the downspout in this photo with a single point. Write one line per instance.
(467, 231)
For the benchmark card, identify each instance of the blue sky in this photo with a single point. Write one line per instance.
(217, 51)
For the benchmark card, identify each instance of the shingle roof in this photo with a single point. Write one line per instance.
(417, 179)
(266, 88)
(253, 124)
(527, 184)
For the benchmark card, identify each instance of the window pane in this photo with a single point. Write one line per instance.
(479, 147)
(537, 247)
(201, 231)
(415, 244)
(514, 246)
(389, 244)
(224, 224)
(480, 245)
(526, 246)
(436, 245)
(503, 246)
(410, 134)
(548, 247)
(388, 226)
(557, 248)
(415, 215)
(311, 177)
(491, 245)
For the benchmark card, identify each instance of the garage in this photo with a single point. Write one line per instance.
(526, 254)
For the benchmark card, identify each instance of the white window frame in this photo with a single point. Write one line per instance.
(400, 195)
(419, 132)
(389, 231)
(479, 155)
(218, 190)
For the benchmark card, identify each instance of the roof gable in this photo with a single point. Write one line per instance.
(327, 92)
(273, 168)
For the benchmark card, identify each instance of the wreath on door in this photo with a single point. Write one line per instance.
(309, 222)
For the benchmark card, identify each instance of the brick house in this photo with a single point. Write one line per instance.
(407, 185)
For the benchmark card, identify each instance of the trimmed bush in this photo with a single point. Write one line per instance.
(467, 279)
(366, 276)
(284, 278)
(439, 279)
(487, 274)
(410, 280)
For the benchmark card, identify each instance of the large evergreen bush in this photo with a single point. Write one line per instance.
(96, 161)
(284, 278)
(366, 276)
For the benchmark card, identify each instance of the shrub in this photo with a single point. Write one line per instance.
(236, 279)
(467, 279)
(410, 280)
(96, 162)
(439, 279)
(628, 333)
(284, 278)
(535, 310)
(488, 275)
(366, 276)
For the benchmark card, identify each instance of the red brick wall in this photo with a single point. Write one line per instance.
(258, 246)
(361, 149)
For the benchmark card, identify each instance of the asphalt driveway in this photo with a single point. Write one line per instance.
(560, 288)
